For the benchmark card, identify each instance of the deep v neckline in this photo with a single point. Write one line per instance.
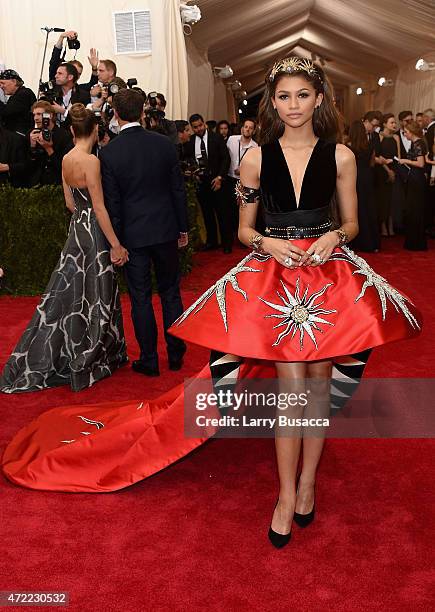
(297, 200)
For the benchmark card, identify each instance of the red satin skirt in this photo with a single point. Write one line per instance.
(263, 310)
(260, 310)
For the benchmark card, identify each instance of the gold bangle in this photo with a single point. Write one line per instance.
(343, 237)
(255, 241)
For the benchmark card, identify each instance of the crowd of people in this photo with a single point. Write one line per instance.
(396, 171)
(396, 177)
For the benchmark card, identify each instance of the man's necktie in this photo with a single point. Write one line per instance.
(203, 149)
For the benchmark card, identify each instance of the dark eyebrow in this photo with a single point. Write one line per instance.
(298, 91)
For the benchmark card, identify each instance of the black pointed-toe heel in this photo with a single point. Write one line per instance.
(279, 540)
(303, 520)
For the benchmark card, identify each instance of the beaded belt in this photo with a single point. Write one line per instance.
(292, 232)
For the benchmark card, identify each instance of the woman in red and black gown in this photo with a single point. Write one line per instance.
(301, 304)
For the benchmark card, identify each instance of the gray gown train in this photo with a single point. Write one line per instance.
(76, 334)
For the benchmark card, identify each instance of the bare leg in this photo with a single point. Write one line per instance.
(288, 451)
(319, 379)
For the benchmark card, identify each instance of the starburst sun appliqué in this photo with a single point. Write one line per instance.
(299, 314)
(386, 292)
(220, 287)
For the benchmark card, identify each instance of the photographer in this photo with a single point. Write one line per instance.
(155, 114)
(48, 143)
(103, 103)
(68, 93)
(106, 71)
(15, 113)
(57, 58)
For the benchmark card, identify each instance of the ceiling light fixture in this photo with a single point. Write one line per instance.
(383, 82)
(236, 86)
(423, 65)
(189, 15)
(223, 72)
(359, 91)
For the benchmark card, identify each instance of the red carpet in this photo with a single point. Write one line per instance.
(194, 536)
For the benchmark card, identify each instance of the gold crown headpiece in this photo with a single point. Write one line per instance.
(290, 65)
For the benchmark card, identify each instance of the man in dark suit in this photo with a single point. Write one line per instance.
(209, 151)
(146, 200)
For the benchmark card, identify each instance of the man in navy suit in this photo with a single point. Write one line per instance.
(146, 200)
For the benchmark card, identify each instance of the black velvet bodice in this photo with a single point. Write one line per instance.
(277, 191)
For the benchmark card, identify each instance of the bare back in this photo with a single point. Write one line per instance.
(76, 166)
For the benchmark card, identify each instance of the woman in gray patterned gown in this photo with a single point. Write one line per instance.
(76, 334)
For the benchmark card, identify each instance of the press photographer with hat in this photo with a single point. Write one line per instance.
(15, 113)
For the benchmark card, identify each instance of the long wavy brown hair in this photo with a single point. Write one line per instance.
(358, 142)
(326, 119)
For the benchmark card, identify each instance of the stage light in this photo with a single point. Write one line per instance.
(236, 86)
(423, 65)
(189, 15)
(224, 72)
(383, 82)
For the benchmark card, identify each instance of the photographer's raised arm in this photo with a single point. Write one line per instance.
(56, 56)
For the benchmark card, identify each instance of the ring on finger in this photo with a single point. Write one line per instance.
(316, 257)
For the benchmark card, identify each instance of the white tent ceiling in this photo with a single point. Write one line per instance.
(359, 39)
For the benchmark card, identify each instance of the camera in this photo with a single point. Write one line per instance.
(131, 83)
(195, 168)
(46, 132)
(152, 99)
(111, 89)
(202, 165)
(109, 112)
(49, 91)
(101, 125)
(73, 43)
(156, 114)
